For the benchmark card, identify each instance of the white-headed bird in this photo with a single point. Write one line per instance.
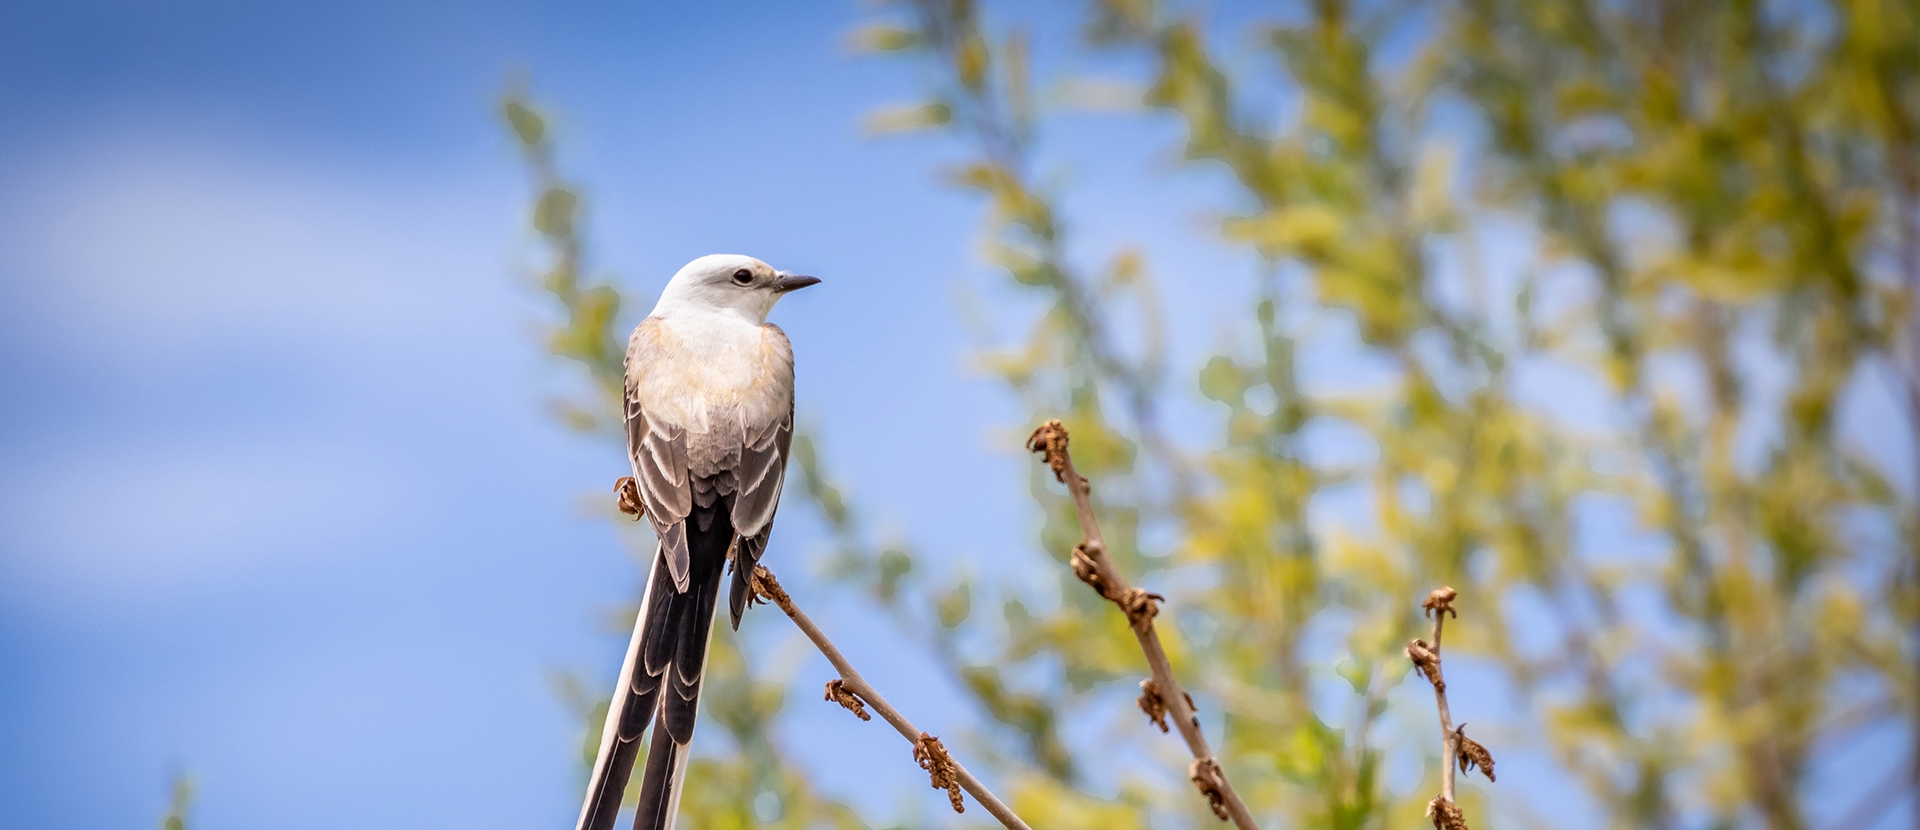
(709, 415)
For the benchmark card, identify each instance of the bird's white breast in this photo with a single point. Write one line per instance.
(712, 374)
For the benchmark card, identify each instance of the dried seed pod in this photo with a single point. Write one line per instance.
(837, 692)
(1446, 815)
(933, 757)
(1472, 753)
(1153, 704)
(1140, 608)
(1426, 661)
(1085, 568)
(1205, 774)
(1050, 440)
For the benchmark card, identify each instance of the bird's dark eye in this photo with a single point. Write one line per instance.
(742, 277)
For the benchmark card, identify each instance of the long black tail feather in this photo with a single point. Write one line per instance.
(667, 663)
(746, 556)
(660, 784)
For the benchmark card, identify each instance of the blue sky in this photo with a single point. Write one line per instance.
(282, 503)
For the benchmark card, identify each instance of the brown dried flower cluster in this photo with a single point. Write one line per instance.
(1140, 606)
(1441, 600)
(1153, 704)
(1472, 753)
(1206, 775)
(1427, 662)
(1050, 440)
(837, 692)
(1086, 569)
(1446, 815)
(933, 758)
(1156, 706)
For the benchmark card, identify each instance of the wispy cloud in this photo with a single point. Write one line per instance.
(212, 322)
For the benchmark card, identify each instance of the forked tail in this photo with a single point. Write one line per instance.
(659, 682)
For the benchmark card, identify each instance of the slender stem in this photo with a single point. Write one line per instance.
(1425, 655)
(850, 678)
(1448, 751)
(1205, 770)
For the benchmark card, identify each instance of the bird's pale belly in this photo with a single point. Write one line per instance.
(717, 380)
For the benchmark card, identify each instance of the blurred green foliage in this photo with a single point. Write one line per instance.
(1717, 209)
(181, 802)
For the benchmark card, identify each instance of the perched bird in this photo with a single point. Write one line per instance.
(709, 415)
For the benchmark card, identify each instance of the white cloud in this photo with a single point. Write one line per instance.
(185, 245)
(160, 516)
(242, 340)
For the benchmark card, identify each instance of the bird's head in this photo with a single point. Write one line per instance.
(728, 284)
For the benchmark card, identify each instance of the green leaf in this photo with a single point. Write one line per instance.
(527, 125)
(894, 565)
(882, 38)
(553, 215)
(954, 607)
(1223, 381)
(1357, 673)
(908, 118)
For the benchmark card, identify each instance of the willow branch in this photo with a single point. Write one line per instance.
(1456, 749)
(1161, 697)
(852, 690)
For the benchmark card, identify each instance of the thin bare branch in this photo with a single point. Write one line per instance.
(1161, 696)
(946, 773)
(1456, 749)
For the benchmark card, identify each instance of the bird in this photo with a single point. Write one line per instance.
(709, 420)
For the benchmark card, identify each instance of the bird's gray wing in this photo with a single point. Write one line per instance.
(658, 451)
(760, 474)
(762, 464)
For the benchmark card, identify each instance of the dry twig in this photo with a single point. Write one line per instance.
(1455, 747)
(946, 773)
(1160, 695)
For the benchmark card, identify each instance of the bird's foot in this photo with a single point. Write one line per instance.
(628, 493)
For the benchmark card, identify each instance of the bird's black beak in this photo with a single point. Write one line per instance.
(792, 282)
